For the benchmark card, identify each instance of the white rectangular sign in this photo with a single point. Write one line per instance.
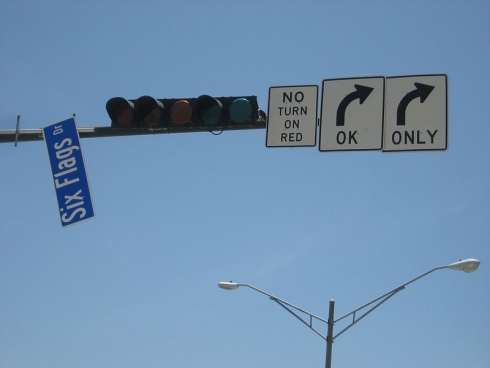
(292, 116)
(416, 113)
(352, 114)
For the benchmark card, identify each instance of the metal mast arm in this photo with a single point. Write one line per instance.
(381, 299)
(289, 307)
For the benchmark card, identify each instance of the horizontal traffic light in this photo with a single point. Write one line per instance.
(204, 113)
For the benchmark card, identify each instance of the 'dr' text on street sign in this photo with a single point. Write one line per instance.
(68, 170)
(292, 116)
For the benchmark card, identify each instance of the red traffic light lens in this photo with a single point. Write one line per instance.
(181, 112)
(123, 114)
(120, 111)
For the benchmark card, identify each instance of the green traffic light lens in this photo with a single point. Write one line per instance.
(240, 110)
(211, 115)
(209, 110)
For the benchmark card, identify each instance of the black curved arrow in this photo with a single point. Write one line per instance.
(361, 93)
(421, 90)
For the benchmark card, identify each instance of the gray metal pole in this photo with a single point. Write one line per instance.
(330, 323)
(27, 135)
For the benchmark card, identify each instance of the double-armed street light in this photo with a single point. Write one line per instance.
(467, 265)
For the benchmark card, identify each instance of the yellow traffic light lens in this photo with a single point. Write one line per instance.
(149, 110)
(153, 118)
(240, 110)
(181, 112)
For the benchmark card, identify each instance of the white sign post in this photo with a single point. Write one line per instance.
(416, 113)
(352, 114)
(292, 116)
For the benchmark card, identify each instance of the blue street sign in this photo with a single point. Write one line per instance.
(68, 169)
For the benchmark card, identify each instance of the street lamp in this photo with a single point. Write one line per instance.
(467, 265)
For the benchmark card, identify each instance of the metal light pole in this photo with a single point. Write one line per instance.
(467, 265)
(330, 323)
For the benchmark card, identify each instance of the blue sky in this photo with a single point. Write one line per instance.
(136, 286)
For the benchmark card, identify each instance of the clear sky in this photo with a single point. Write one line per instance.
(137, 286)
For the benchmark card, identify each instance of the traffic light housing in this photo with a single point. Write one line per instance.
(204, 113)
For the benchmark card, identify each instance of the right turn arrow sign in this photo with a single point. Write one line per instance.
(416, 118)
(352, 114)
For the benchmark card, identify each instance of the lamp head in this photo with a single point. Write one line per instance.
(466, 265)
(228, 285)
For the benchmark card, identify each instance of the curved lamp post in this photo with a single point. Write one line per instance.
(467, 265)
